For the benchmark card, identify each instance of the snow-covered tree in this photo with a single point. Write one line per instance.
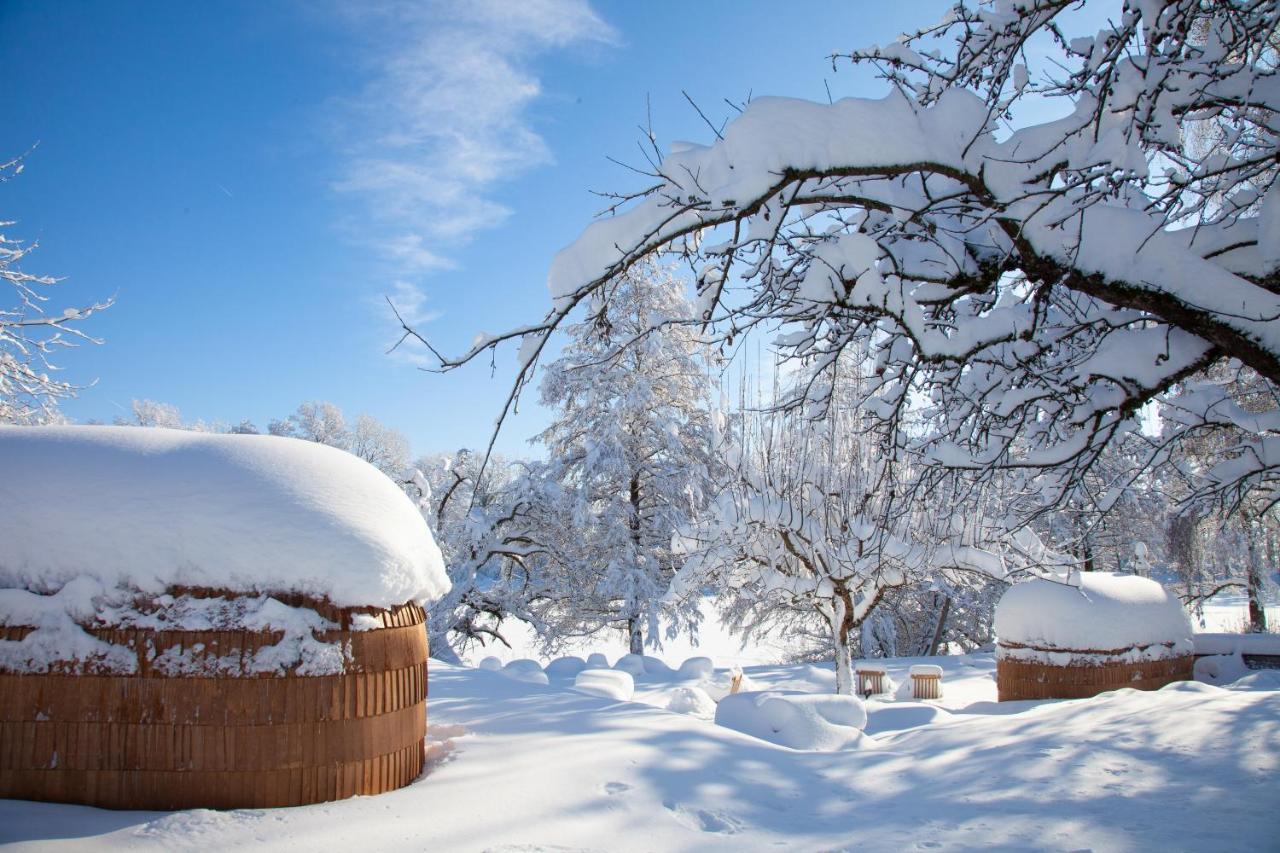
(630, 446)
(498, 533)
(30, 334)
(817, 518)
(381, 446)
(385, 448)
(315, 420)
(1037, 281)
(149, 413)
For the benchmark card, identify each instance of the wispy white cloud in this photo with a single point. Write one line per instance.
(443, 120)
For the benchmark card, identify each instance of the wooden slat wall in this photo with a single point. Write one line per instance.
(1025, 680)
(155, 741)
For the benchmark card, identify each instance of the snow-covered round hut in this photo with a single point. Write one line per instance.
(1100, 631)
(195, 620)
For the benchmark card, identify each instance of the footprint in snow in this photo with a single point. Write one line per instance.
(612, 788)
(703, 820)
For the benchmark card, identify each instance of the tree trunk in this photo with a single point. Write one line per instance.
(633, 621)
(635, 640)
(840, 617)
(1257, 608)
(940, 629)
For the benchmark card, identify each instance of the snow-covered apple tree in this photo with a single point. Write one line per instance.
(30, 334)
(629, 446)
(1037, 281)
(817, 518)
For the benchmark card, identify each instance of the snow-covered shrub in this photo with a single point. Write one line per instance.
(490, 663)
(609, 683)
(526, 670)
(565, 667)
(656, 667)
(632, 664)
(796, 720)
(693, 701)
(697, 667)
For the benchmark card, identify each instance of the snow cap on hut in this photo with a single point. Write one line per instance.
(150, 509)
(1096, 613)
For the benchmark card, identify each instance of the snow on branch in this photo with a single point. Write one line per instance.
(1034, 287)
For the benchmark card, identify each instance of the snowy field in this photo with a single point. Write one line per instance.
(1191, 767)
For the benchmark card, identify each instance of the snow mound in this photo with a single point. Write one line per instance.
(526, 670)
(1100, 613)
(656, 667)
(490, 664)
(609, 683)
(1266, 679)
(1219, 670)
(566, 667)
(596, 660)
(631, 664)
(697, 667)
(693, 701)
(797, 720)
(898, 716)
(146, 509)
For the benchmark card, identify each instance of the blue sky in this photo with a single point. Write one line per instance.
(251, 180)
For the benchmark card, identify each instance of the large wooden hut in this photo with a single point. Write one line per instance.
(1070, 639)
(194, 620)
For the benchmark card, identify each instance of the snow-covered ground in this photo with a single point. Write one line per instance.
(1191, 767)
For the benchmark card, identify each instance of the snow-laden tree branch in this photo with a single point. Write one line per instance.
(30, 335)
(1034, 287)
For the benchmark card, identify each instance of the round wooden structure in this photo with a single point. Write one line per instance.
(1020, 679)
(151, 740)
(1075, 636)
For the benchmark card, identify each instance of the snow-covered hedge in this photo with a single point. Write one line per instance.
(1096, 617)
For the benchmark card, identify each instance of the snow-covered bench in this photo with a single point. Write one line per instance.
(1257, 651)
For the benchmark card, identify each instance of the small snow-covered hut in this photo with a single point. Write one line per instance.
(1098, 632)
(194, 620)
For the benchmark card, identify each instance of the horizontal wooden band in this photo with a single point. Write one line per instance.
(1017, 679)
(46, 745)
(208, 701)
(168, 790)
(1007, 644)
(231, 652)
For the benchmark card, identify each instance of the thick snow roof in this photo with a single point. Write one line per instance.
(1098, 611)
(149, 508)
